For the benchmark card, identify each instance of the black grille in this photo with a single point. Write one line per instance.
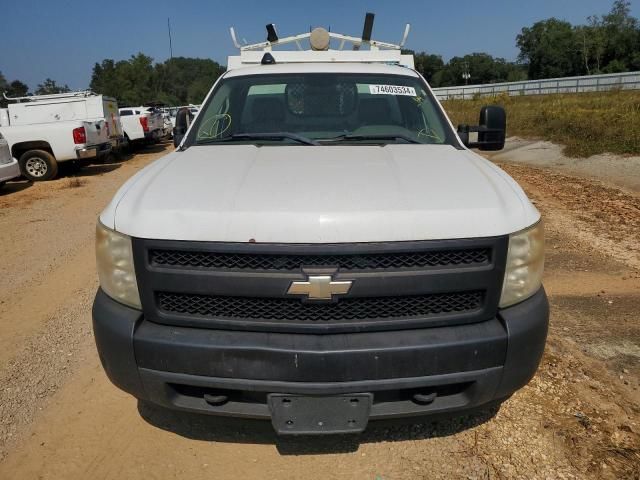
(256, 308)
(370, 261)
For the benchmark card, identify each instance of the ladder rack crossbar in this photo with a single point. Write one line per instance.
(52, 96)
(356, 41)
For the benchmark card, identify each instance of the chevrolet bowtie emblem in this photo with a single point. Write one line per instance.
(320, 287)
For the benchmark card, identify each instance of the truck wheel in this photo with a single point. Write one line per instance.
(38, 165)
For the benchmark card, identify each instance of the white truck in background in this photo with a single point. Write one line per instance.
(142, 124)
(44, 131)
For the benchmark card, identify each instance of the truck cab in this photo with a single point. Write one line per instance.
(322, 249)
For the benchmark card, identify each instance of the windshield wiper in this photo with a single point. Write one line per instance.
(261, 136)
(384, 136)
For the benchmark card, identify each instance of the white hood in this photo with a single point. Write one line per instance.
(327, 194)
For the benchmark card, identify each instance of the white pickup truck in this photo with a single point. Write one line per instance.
(322, 249)
(142, 124)
(46, 130)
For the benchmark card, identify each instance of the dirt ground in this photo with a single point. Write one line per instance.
(60, 418)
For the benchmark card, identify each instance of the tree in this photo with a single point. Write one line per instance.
(17, 89)
(480, 67)
(137, 81)
(130, 81)
(622, 34)
(187, 80)
(14, 89)
(597, 41)
(549, 47)
(426, 64)
(49, 87)
(607, 43)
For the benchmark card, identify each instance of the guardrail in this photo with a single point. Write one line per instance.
(589, 83)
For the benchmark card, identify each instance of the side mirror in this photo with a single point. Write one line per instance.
(183, 120)
(491, 130)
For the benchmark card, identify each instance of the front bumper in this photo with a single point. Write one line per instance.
(462, 367)
(93, 151)
(9, 171)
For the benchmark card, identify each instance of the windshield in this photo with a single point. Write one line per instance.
(321, 109)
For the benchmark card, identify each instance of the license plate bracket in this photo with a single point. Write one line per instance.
(319, 415)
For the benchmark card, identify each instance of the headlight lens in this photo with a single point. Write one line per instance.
(114, 258)
(525, 265)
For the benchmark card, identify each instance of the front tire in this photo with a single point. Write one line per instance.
(38, 165)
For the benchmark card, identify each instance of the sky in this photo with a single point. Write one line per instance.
(63, 39)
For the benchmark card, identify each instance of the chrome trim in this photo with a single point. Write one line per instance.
(93, 151)
(320, 287)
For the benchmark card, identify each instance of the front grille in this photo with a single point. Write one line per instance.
(396, 285)
(346, 262)
(356, 308)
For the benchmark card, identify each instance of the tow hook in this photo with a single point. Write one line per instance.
(424, 398)
(215, 400)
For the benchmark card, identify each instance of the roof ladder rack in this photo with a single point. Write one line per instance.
(320, 48)
(52, 96)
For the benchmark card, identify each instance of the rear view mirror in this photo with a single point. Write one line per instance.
(183, 120)
(491, 130)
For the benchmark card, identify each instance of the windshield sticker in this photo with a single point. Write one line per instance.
(392, 90)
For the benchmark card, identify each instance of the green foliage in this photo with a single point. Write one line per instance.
(549, 48)
(17, 89)
(49, 87)
(137, 81)
(607, 44)
(187, 80)
(427, 64)
(14, 89)
(480, 67)
(131, 81)
(585, 123)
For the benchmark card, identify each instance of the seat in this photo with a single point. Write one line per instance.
(374, 111)
(267, 115)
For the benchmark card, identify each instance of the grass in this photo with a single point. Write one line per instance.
(585, 123)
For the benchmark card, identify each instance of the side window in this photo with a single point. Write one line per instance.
(125, 113)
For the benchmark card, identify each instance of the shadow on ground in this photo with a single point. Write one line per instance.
(232, 430)
(14, 187)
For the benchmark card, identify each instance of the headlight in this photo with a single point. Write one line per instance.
(114, 258)
(525, 265)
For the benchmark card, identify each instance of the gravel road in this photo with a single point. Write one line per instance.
(60, 418)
